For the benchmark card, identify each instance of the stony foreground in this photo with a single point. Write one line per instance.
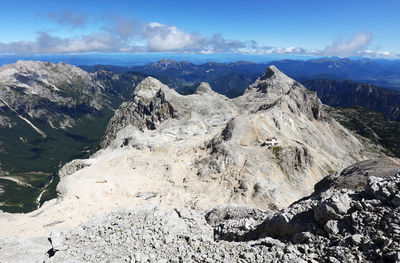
(351, 217)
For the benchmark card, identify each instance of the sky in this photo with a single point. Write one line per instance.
(256, 27)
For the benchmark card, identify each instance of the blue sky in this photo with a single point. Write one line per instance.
(307, 27)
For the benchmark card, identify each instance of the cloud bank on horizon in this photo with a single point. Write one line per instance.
(123, 35)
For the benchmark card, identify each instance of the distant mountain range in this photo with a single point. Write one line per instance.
(332, 87)
(230, 79)
(384, 73)
(183, 74)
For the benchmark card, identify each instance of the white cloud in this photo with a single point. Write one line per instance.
(371, 53)
(161, 37)
(219, 44)
(295, 50)
(46, 43)
(355, 46)
(347, 48)
(124, 35)
(280, 50)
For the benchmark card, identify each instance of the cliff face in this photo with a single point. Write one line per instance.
(60, 93)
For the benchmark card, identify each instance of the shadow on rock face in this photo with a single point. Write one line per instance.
(355, 177)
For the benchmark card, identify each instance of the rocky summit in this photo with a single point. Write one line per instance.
(171, 167)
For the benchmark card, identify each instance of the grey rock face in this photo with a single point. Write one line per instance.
(72, 167)
(146, 111)
(293, 159)
(355, 177)
(231, 222)
(332, 208)
(204, 87)
(281, 89)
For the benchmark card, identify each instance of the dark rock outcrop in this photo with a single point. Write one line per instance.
(355, 177)
(146, 110)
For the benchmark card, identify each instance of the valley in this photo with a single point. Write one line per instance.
(36, 160)
(50, 115)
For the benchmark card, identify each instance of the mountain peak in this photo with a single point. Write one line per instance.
(148, 88)
(273, 81)
(204, 87)
(275, 88)
(22, 64)
(271, 72)
(166, 64)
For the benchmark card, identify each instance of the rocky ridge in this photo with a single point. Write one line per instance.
(59, 93)
(54, 93)
(232, 132)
